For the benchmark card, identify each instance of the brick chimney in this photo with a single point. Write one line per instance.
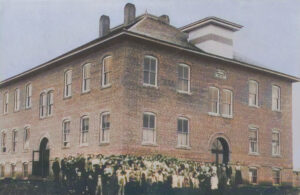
(104, 26)
(129, 13)
(164, 19)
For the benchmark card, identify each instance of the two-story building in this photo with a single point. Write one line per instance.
(147, 87)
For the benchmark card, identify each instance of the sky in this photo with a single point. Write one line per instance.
(35, 31)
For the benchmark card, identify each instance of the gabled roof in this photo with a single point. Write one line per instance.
(142, 28)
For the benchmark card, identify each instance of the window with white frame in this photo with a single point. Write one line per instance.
(149, 135)
(3, 142)
(253, 175)
(2, 170)
(253, 93)
(276, 176)
(214, 100)
(28, 91)
(183, 131)
(86, 77)
(227, 103)
(26, 137)
(14, 140)
(43, 105)
(25, 170)
(105, 126)
(106, 71)
(253, 140)
(84, 130)
(275, 98)
(150, 71)
(50, 103)
(275, 143)
(68, 83)
(183, 78)
(17, 100)
(66, 133)
(5, 102)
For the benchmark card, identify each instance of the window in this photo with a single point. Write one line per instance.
(6, 99)
(276, 176)
(3, 142)
(106, 71)
(25, 170)
(149, 128)
(50, 103)
(2, 170)
(86, 78)
(28, 89)
(214, 100)
(183, 78)
(227, 103)
(275, 143)
(253, 175)
(17, 100)
(66, 133)
(253, 93)
(13, 170)
(105, 126)
(68, 84)
(43, 105)
(150, 71)
(84, 130)
(183, 132)
(253, 141)
(275, 98)
(14, 140)
(26, 137)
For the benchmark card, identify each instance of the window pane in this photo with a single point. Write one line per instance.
(185, 126)
(179, 125)
(152, 78)
(146, 63)
(146, 77)
(152, 121)
(186, 72)
(153, 65)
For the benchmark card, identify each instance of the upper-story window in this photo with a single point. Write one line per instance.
(253, 140)
(183, 78)
(14, 140)
(227, 103)
(150, 71)
(5, 102)
(275, 143)
(28, 90)
(86, 77)
(275, 98)
(253, 93)
(50, 103)
(26, 137)
(66, 133)
(214, 99)
(68, 83)
(105, 126)
(17, 100)
(149, 126)
(106, 71)
(183, 131)
(43, 105)
(3, 142)
(84, 130)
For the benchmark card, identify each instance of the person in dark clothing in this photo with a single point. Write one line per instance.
(63, 168)
(238, 174)
(229, 173)
(56, 170)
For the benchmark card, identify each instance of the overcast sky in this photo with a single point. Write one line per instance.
(35, 31)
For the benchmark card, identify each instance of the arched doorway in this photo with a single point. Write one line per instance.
(40, 163)
(220, 151)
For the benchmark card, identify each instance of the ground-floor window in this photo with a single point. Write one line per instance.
(149, 128)
(253, 175)
(276, 176)
(25, 169)
(2, 171)
(13, 170)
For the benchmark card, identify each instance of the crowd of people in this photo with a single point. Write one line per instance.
(128, 174)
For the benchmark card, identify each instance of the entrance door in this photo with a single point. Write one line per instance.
(40, 160)
(220, 151)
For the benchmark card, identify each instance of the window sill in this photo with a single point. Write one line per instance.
(84, 145)
(104, 143)
(227, 116)
(184, 92)
(276, 156)
(66, 98)
(253, 106)
(213, 114)
(26, 150)
(149, 144)
(183, 147)
(279, 111)
(65, 147)
(28, 108)
(106, 86)
(253, 154)
(150, 86)
(85, 92)
(15, 111)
